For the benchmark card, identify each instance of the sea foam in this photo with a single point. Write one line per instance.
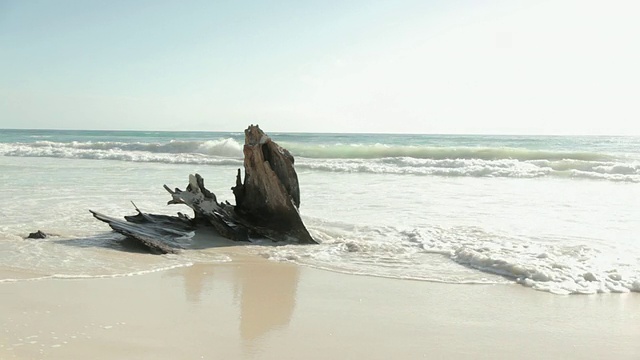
(456, 255)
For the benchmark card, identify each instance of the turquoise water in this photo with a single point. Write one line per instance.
(606, 158)
(554, 213)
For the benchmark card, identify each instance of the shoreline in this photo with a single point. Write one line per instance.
(255, 308)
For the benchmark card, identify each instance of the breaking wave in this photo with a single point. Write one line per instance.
(215, 152)
(567, 168)
(375, 158)
(222, 147)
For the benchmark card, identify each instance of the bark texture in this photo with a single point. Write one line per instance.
(268, 199)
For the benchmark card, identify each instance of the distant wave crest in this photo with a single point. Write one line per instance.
(378, 151)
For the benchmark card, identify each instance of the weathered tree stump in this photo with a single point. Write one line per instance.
(267, 203)
(269, 198)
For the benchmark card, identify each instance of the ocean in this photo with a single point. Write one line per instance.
(553, 213)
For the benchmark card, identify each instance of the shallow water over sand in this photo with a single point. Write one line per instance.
(481, 218)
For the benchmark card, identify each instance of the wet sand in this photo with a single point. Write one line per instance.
(252, 308)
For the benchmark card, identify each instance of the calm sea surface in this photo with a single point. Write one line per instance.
(554, 213)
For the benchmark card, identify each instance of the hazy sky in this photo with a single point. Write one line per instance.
(455, 66)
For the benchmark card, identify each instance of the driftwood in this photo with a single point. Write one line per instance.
(160, 233)
(266, 206)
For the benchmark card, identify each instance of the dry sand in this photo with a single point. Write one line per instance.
(252, 308)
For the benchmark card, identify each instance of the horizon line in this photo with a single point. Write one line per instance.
(327, 133)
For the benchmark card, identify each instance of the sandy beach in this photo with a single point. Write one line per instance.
(252, 308)
(443, 180)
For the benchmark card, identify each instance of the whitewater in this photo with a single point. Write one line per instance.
(553, 213)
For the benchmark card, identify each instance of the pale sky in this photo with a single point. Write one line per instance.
(402, 66)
